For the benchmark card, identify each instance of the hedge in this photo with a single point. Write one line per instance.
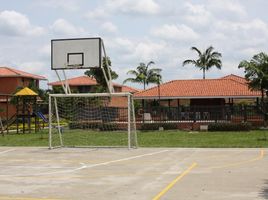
(229, 127)
(155, 126)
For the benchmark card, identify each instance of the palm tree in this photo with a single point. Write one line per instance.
(145, 75)
(206, 60)
(256, 72)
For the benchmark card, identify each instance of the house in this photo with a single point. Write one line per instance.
(86, 84)
(203, 92)
(10, 80)
(200, 99)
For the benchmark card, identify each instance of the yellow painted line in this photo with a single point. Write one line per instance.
(259, 157)
(170, 185)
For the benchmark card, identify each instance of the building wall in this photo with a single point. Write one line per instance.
(11, 110)
(8, 85)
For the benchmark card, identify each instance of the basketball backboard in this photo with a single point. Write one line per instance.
(76, 53)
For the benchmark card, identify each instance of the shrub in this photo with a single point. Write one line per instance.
(229, 127)
(96, 125)
(155, 126)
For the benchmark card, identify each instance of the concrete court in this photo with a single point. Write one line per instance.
(144, 173)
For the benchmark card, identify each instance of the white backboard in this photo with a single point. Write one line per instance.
(76, 53)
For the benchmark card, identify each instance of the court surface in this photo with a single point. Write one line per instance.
(144, 173)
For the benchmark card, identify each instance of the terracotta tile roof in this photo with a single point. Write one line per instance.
(199, 88)
(10, 72)
(86, 80)
(77, 81)
(129, 89)
(236, 78)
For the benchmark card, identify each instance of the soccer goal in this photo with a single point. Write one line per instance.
(92, 120)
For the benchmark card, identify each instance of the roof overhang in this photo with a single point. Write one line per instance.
(195, 97)
(19, 76)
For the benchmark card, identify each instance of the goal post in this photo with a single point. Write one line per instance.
(92, 120)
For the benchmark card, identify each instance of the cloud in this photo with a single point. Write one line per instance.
(109, 27)
(35, 67)
(179, 32)
(13, 23)
(126, 7)
(197, 14)
(64, 28)
(227, 9)
(68, 5)
(148, 7)
(97, 14)
(137, 50)
(244, 34)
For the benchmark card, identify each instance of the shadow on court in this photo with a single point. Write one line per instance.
(264, 191)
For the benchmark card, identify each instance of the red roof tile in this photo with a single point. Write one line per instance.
(10, 72)
(236, 78)
(86, 80)
(77, 81)
(200, 88)
(129, 89)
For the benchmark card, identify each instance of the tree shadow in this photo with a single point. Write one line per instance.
(264, 190)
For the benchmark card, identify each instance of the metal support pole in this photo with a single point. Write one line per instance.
(58, 121)
(23, 115)
(62, 84)
(7, 101)
(128, 116)
(109, 82)
(67, 86)
(134, 123)
(2, 127)
(50, 123)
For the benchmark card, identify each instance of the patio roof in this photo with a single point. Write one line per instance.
(231, 86)
(10, 72)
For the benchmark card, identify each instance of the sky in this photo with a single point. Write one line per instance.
(135, 31)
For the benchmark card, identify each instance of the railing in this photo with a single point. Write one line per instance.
(235, 113)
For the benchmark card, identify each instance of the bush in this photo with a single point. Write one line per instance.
(96, 125)
(229, 127)
(155, 126)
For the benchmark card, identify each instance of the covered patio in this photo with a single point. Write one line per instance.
(200, 100)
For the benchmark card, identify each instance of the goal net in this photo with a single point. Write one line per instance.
(92, 120)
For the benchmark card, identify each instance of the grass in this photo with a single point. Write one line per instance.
(258, 138)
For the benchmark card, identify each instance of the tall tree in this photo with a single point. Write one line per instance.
(205, 60)
(256, 72)
(144, 75)
(97, 74)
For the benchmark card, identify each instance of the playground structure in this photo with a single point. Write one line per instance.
(21, 113)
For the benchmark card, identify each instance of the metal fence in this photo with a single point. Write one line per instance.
(234, 113)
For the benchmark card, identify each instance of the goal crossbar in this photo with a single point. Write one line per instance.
(119, 94)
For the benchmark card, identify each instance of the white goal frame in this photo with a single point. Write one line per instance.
(130, 115)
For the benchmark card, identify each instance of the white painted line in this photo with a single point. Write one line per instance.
(85, 166)
(9, 150)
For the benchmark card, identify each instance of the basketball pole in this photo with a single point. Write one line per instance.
(109, 82)
(64, 87)
(66, 83)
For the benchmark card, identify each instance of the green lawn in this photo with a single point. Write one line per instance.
(145, 139)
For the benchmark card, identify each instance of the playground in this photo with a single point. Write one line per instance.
(21, 113)
(31, 173)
